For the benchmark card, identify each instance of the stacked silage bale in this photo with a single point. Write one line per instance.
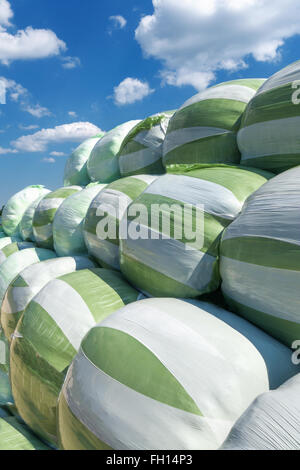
(141, 151)
(69, 219)
(76, 166)
(108, 207)
(269, 135)
(45, 212)
(11, 248)
(171, 244)
(103, 164)
(165, 374)
(29, 282)
(15, 208)
(260, 258)
(26, 230)
(271, 422)
(48, 337)
(204, 130)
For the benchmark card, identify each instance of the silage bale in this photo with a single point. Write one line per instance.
(76, 166)
(204, 201)
(44, 215)
(14, 209)
(204, 129)
(12, 248)
(141, 150)
(18, 261)
(271, 422)
(103, 164)
(111, 203)
(269, 134)
(69, 219)
(8, 240)
(16, 436)
(49, 334)
(260, 258)
(164, 374)
(25, 229)
(30, 281)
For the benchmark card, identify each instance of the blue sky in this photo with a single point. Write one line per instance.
(63, 62)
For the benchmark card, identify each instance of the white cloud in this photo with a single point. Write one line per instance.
(39, 141)
(57, 154)
(21, 95)
(6, 13)
(70, 62)
(72, 114)
(31, 127)
(131, 90)
(29, 44)
(4, 151)
(118, 21)
(194, 39)
(48, 160)
(37, 110)
(25, 44)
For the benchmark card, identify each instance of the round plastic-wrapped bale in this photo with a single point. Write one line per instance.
(141, 150)
(45, 212)
(14, 209)
(170, 244)
(30, 281)
(165, 374)
(69, 219)
(108, 207)
(103, 164)
(271, 422)
(204, 129)
(269, 134)
(16, 436)
(18, 261)
(25, 229)
(12, 248)
(260, 258)
(76, 166)
(48, 337)
(8, 241)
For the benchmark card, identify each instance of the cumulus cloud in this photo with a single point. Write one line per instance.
(70, 62)
(6, 13)
(21, 95)
(39, 141)
(48, 160)
(57, 154)
(131, 90)
(118, 21)
(31, 127)
(29, 44)
(72, 114)
(194, 39)
(4, 151)
(25, 44)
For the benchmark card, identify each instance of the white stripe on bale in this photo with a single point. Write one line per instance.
(279, 287)
(170, 257)
(76, 319)
(261, 139)
(216, 199)
(225, 91)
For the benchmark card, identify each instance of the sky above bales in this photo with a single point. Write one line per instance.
(71, 68)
